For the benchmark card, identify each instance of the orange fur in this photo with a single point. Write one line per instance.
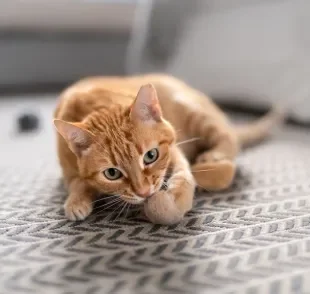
(111, 122)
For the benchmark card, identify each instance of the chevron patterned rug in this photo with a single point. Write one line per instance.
(254, 238)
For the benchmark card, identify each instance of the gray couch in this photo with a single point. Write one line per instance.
(44, 43)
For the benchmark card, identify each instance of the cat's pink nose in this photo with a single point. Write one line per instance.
(144, 192)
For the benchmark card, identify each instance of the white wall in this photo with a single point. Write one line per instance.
(257, 49)
(67, 15)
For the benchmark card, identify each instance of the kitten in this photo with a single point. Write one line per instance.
(123, 136)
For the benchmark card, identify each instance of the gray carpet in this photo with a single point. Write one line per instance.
(254, 238)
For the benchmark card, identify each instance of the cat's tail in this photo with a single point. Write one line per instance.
(262, 128)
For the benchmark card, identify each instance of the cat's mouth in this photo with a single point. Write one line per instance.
(137, 200)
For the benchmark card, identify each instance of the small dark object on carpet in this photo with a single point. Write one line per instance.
(28, 122)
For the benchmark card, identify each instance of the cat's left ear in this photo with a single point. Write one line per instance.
(77, 138)
(146, 106)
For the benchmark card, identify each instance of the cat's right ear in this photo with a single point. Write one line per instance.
(146, 108)
(77, 138)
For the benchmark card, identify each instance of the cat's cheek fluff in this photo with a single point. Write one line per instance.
(161, 209)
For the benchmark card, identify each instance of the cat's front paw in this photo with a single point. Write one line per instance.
(161, 208)
(78, 208)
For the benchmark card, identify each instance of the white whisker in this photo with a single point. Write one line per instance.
(203, 170)
(109, 204)
(100, 199)
(104, 198)
(127, 210)
(120, 213)
(102, 210)
(110, 214)
(187, 141)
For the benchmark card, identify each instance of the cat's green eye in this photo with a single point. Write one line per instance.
(150, 156)
(112, 174)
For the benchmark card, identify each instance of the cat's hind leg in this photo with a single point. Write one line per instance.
(214, 168)
(214, 176)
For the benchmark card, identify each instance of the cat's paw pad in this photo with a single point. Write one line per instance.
(78, 209)
(161, 209)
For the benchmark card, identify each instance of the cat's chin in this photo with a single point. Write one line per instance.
(137, 200)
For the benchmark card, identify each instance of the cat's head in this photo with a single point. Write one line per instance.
(124, 152)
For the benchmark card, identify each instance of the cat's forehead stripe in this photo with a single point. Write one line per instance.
(118, 151)
(111, 154)
(118, 137)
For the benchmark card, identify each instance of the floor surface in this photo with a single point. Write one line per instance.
(253, 238)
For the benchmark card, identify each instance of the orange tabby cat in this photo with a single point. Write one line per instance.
(119, 136)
